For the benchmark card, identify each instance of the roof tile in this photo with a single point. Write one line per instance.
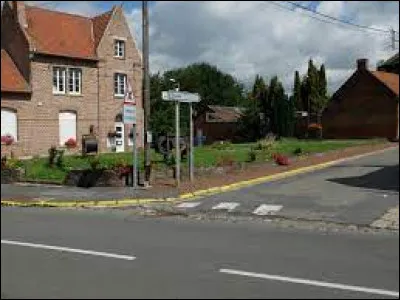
(391, 80)
(11, 78)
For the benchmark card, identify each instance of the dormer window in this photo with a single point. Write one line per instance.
(119, 48)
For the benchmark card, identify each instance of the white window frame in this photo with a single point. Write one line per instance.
(119, 48)
(75, 74)
(59, 75)
(120, 81)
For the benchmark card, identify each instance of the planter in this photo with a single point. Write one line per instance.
(10, 175)
(92, 178)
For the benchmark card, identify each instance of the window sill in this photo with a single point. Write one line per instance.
(119, 57)
(59, 94)
(119, 96)
(75, 95)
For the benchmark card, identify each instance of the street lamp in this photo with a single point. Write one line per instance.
(177, 136)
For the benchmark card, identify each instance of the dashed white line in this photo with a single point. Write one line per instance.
(188, 204)
(226, 205)
(267, 209)
(313, 283)
(66, 249)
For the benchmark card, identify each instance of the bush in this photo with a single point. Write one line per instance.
(11, 163)
(298, 151)
(222, 145)
(252, 155)
(94, 163)
(52, 156)
(60, 159)
(225, 159)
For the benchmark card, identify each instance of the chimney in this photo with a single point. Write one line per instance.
(18, 8)
(362, 64)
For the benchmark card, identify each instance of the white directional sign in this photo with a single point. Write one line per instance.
(180, 96)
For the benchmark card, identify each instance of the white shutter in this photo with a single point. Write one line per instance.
(67, 123)
(9, 123)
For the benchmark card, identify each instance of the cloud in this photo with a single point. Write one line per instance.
(246, 38)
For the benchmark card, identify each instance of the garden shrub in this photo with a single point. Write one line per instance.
(52, 156)
(225, 159)
(222, 145)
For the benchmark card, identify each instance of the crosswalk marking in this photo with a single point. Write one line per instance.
(188, 204)
(267, 209)
(226, 205)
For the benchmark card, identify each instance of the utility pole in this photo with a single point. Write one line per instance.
(146, 92)
(393, 38)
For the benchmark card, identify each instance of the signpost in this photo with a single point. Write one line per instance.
(129, 118)
(182, 97)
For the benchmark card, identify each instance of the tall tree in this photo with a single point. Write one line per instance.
(297, 95)
(312, 87)
(323, 97)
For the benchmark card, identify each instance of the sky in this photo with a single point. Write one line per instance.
(246, 38)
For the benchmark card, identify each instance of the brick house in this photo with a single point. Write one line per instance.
(366, 105)
(218, 123)
(61, 74)
(390, 65)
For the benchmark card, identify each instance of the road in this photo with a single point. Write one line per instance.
(114, 254)
(354, 192)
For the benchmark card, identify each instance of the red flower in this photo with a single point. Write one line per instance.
(71, 143)
(280, 159)
(7, 139)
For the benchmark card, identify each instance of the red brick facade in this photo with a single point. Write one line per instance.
(364, 107)
(38, 112)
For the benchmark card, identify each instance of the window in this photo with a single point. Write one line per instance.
(67, 126)
(74, 81)
(119, 48)
(9, 124)
(119, 84)
(58, 80)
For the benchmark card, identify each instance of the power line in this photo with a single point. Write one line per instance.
(334, 21)
(339, 20)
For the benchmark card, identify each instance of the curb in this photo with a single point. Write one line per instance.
(186, 196)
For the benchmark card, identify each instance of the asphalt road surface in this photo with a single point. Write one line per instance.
(354, 192)
(113, 254)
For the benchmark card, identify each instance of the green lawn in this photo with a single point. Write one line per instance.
(205, 156)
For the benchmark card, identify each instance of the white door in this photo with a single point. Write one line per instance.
(67, 129)
(120, 137)
(9, 123)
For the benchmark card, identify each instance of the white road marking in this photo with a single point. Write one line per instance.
(188, 204)
(313, 283)
(266, 209)
(66, 249)
(226, 205)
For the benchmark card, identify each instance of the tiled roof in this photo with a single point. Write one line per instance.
(64, 34)
(226, 114)
(11, 78)
(99, 26)
(391, 80)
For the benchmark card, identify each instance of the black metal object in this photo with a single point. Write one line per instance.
(89, 144)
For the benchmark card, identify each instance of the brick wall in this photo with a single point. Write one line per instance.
(38, 117)
(362, 108)
(131, 65)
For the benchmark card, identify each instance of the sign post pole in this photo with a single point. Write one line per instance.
(134, 163)
(177, 145)
(185, 97)
(191, 156)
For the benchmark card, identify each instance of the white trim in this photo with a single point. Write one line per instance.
(119, 46)
(59, 70)
(116, 79)
(115, 37)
